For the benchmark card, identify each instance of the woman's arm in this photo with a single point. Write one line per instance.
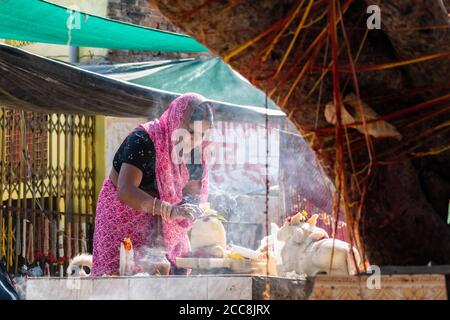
(192, 189)
(128, 190)
(129, 193)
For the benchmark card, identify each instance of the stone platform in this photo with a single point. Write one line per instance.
(238, 287)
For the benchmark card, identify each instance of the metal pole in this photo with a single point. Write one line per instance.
(73, 58)
(73, 54)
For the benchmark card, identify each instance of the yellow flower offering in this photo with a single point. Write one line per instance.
(205, 206)
(236, 256)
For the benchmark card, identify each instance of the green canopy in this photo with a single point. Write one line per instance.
(34, 83)
(209, 76)
(40, 21)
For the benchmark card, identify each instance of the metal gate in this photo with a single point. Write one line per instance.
(47, 188)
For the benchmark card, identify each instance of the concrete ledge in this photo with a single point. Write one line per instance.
(141, 288)
(392, 287)
(238, 287)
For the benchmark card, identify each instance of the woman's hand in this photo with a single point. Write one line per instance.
(186, 210)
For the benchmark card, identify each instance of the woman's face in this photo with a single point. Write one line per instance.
(192, 134)
(198, 131)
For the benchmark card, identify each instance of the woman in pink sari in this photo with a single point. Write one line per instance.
(143, 196)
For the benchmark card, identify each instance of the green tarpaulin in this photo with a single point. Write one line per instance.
(34, 83)
(209, 76)
(40, 21)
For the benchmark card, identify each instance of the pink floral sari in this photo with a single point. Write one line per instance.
(115, 220)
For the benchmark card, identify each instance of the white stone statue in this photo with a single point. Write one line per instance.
(208, 235)
(307, 249)
(80, 266)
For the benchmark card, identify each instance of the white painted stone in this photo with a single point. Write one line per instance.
(182, 288)
(110, 289)
(57, 289)
(141, 288)
(229, 288)
(148, 288)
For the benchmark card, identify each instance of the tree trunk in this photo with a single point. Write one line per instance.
(408, 186)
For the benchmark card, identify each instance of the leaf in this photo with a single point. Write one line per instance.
(217, 216)
(352, 105)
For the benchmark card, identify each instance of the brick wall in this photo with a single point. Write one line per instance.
(140, 12)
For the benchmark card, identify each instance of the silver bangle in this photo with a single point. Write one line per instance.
(164, 210)
(167, 211)
(161, 209)
(154, 204)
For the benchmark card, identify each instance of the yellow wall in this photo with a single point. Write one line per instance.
(57, 159)
(109, 135)
(99, 149)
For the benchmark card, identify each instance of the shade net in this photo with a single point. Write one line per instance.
(209, 76)
(40, 21)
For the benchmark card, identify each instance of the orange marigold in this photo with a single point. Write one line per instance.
(127, 243)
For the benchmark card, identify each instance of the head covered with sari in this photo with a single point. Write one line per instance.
(172, 176)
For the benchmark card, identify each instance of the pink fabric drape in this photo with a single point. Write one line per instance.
(172, 177)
